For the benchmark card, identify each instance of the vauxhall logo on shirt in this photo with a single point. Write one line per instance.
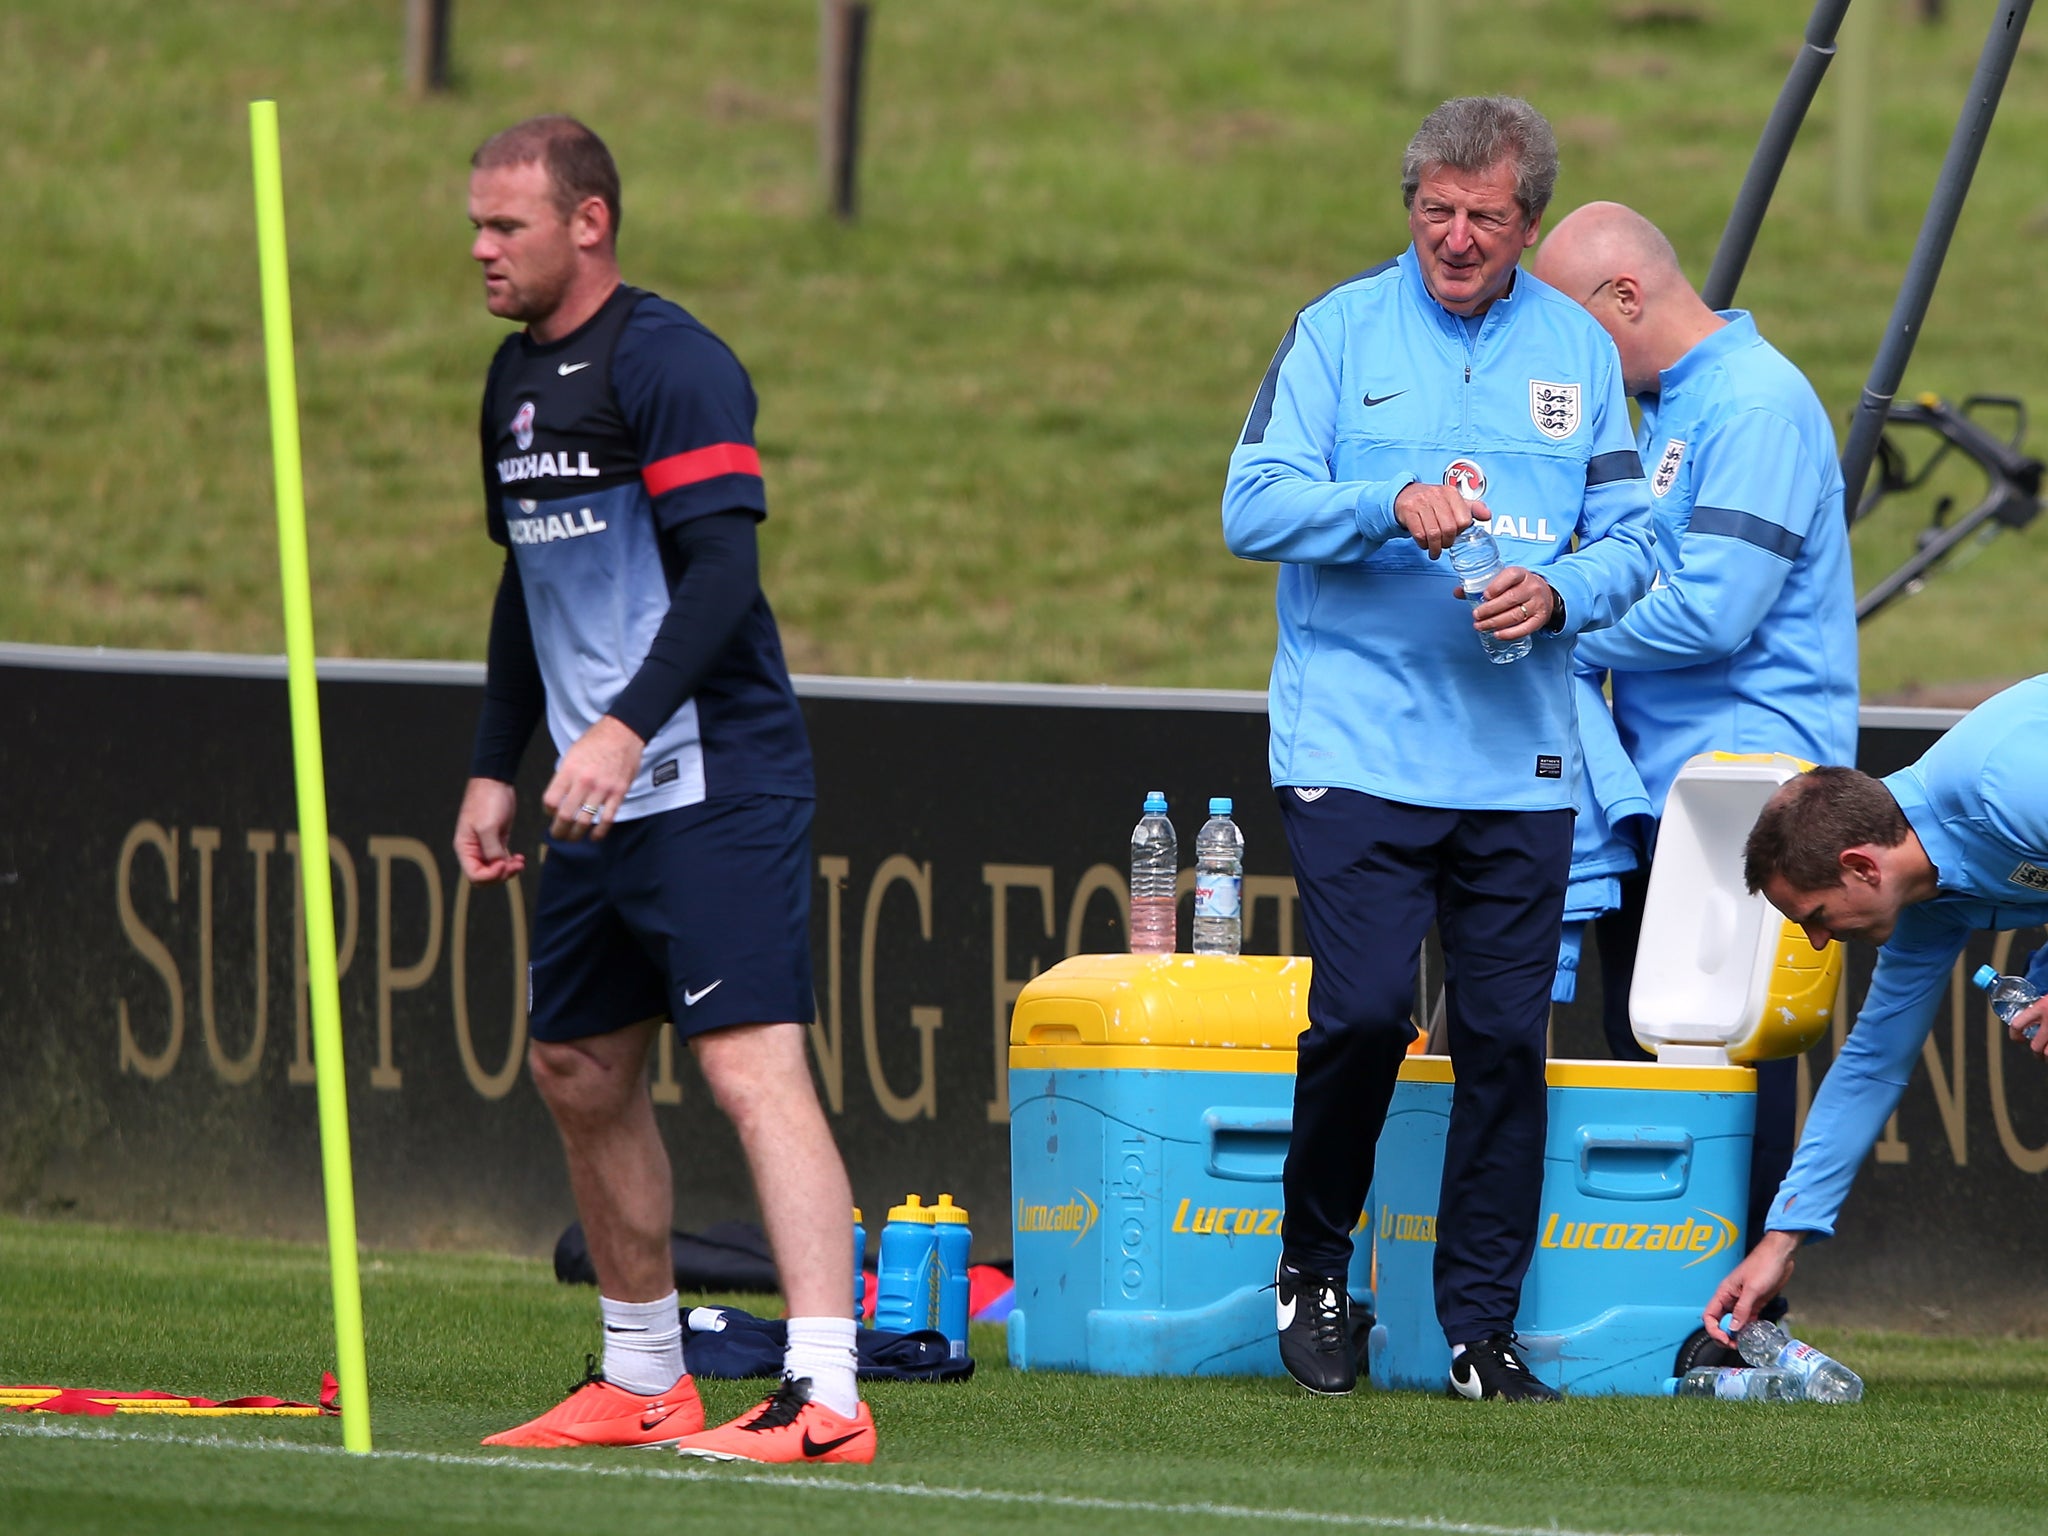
(539, 466)
(1468, 479)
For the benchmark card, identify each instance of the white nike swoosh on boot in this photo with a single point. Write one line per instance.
(1285, 1309)
(1474, 1390)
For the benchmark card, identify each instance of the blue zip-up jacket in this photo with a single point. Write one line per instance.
(1609, 833)
(1747, 641)
(1978, 802)
(1379, 682)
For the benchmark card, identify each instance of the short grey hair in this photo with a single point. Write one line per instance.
(1476, 133)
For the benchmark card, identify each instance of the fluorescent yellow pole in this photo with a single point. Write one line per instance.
(322, 981)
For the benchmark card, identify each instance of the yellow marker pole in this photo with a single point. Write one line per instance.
(322, 981)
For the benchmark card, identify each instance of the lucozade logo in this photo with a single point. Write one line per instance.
(1076, 1216)
(1702, 1238)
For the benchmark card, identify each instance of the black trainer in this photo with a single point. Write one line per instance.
(1493, 1368)
(1314, 1314)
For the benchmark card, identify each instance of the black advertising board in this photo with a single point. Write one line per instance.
(152, 1022)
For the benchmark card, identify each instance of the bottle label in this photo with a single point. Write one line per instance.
(1219, 895)
(1802, 1360)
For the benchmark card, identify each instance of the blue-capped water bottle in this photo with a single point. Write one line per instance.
(954, 1244)
(860, 1264)
(1155, 870)
(1219, 883)
(903, 1270)
(2008, 995)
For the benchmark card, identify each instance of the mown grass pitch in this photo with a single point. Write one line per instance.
(1947, 1439)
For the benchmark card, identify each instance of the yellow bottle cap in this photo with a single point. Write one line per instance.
(911, 1210)
(856, 1214)
(947, 1212)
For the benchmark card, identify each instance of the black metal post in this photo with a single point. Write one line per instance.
(1931, 249)
(842, 54)
(426, 45)
(1747, 216)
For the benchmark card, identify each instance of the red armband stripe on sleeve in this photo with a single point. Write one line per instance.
(682, 469)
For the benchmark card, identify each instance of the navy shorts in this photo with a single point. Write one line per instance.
(700, 915)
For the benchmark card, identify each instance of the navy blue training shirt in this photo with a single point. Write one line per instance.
(599, 449)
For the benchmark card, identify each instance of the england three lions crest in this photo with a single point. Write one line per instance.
(1554, 408)
(1667, 468)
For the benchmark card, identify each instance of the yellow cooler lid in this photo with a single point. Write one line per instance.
(1235, 1012)
(1654, 1075)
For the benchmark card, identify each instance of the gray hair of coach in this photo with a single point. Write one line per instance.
(1475, 133)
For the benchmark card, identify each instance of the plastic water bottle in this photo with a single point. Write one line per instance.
(1476, 559)
(903, 1270)
(955, 1245)
(860, 1264)
(1819, 1379)
(2008, 994)
(1155, 866)
(1735, 1384)
(1219, 883)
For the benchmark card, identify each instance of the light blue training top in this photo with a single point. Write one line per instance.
(1379, 682)
(1747, 640)
(1978, 802)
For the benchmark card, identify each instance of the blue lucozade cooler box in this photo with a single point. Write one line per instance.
(1151, 1099)
(1645, 1187)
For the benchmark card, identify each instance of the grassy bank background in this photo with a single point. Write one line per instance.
(996, 412)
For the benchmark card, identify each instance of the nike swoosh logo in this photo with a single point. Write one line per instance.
(658, 1415)
(819, 1448)
(568, 368)
(692, 999)
(1466, 1382)
(1286, 1311)
(1383, 399)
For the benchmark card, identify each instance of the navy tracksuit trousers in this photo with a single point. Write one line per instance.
(1373, 875)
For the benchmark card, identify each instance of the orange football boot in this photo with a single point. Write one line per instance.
(598, 1413)
(788, 1427)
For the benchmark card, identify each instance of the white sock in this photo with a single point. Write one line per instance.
(1457, 1350)
(822, 1349)
(643, 1344)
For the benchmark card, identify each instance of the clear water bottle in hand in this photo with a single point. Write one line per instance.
(1219, 883)
(1476, 558)
(1819, 1379)
(1155, 866)
(1736, 1384)
(2008, 996)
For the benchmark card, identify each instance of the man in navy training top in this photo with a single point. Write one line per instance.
(1419, 782)
(1914, 862)
(620, 474)
(1746, 642)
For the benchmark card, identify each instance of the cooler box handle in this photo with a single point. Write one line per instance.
(1248, 1144)
(1634, 1162)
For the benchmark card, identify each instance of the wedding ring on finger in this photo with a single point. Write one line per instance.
(594, 812)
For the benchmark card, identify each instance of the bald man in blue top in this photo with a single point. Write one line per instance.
(1915, 862)
(1747, 640)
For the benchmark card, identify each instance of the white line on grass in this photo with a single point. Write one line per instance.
(800, 1482)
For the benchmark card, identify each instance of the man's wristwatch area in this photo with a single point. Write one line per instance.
(1554, 625)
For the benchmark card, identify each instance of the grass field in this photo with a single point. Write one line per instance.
(996, 412)
(1947, 1438)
